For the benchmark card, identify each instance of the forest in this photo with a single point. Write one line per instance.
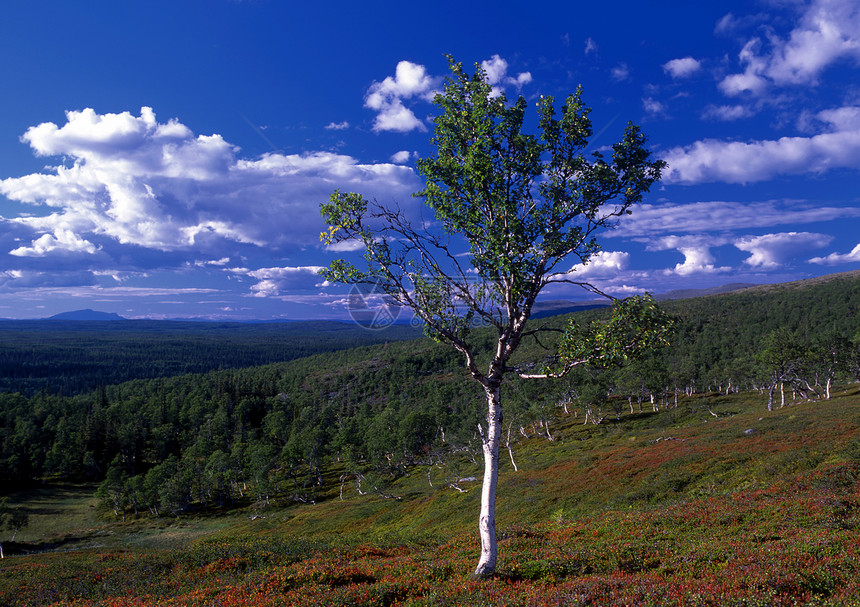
(252, 436)
(71, 357)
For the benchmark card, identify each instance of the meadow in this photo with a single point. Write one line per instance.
(713, 502)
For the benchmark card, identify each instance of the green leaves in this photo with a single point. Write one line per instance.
(635, 327)
(521, 204)
(343, 213)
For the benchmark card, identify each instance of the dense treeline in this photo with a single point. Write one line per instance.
(70, 357)
(371, 413)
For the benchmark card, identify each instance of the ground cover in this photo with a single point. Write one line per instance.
(674, 507)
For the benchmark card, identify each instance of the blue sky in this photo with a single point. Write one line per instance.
(167, 159)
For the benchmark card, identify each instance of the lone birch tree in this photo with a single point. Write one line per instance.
(512, 214)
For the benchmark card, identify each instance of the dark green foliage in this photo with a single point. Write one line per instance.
(70, 357)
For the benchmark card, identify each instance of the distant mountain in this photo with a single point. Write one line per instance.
(560, 306)
(557, 307)
(86, 315)
(690, 293)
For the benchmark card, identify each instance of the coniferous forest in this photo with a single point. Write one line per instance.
(361, 421)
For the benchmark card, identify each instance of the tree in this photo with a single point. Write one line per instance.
(781, 357)
(519, 206)
(12, 519)
(828, 357)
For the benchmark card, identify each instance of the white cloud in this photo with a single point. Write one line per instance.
(652, 106)
(738, 162)
(682, 68)
(774, 250)
(62, 241)
(842, 119)
(397, 117)
(402, 156)
(602, 263)
(622, 289)
(838, 258)
(345, 246)
(386, 97)
(696, 250)
(751, 79)
(411, 82)
(827, 31)
(620, 72)
(496, 69)
(707, 217)
(727, 112)
(136, 183)
(337, 126)
(212, 262)
(275, 281)
(730, 23)
(726, 23)
(590, 46)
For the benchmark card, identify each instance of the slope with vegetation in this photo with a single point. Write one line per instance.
(349, 477)
(672, 507)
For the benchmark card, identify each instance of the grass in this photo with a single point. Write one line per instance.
(674, 507)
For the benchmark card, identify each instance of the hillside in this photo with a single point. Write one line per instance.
(674, 507)
(352, 477)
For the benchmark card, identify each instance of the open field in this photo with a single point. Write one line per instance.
(674, 507)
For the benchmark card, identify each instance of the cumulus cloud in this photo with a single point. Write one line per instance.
(275, 281)
(696, 250)
(774, 250)
(827, 31)
(386, 97)
(497, 75)
(411, 83)
(838, 258)
(745, 162)
(682, 68)
(402, 156)
(136, 182)
(603, 263)
(63, 241)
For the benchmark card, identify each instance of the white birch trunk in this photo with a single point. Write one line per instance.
(487, 520)
(510, 448)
